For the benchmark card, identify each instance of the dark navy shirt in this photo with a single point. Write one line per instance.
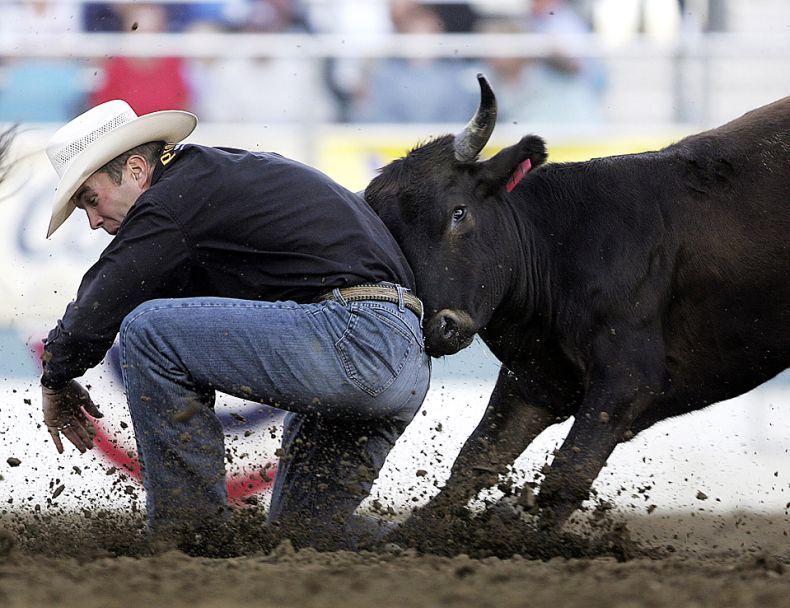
(229, 223)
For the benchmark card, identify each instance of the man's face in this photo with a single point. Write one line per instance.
(107, 203)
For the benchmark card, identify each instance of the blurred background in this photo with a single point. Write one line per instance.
(618, 62)
(348, 85)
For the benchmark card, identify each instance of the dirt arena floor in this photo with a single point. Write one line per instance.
(608, 560)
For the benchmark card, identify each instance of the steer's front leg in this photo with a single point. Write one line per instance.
(618, 392)
(508, 426)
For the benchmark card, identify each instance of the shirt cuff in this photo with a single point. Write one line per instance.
(51, 384)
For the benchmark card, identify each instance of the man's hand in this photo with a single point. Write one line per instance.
(64, 412)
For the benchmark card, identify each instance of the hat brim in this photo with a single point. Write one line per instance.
(170, 126)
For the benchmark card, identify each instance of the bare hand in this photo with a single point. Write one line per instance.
(64, 412)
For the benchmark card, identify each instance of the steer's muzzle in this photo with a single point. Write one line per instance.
(447, 332)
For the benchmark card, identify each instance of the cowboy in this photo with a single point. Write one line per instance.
(241, 272)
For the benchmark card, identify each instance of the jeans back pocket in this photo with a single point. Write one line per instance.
(374, 348)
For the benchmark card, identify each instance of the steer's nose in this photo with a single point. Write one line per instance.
(448, 331)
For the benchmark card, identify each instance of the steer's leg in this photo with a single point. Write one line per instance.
(625, 376)
(508, 426)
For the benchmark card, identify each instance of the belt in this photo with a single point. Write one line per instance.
(384, 293)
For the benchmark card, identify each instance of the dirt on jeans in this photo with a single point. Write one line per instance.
(494, 559)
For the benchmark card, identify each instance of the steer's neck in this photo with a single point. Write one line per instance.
(526, 303)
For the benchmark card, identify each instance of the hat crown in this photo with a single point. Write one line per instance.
(72, 139)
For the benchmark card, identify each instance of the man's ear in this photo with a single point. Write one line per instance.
(506, 168)
(140, 169)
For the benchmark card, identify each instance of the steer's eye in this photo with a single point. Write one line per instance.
(459, 213)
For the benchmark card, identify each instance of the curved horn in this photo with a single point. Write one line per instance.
(470, 142)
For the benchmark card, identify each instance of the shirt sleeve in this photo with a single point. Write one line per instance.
(148, 258)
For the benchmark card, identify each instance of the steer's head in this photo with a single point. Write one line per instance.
(447, 211)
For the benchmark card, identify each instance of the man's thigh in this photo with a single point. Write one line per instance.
(327, 357)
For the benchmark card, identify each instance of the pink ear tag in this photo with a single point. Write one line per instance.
(522, 169)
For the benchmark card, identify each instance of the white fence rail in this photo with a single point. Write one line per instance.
(320, 46)
(702, 79)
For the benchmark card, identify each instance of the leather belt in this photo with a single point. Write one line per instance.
(384, 293)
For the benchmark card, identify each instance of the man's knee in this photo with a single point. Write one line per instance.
(140, 322)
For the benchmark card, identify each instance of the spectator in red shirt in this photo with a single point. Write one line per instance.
(148, 84)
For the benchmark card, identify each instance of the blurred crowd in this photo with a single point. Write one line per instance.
(555, 88)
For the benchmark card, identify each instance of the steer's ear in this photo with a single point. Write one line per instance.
(506, 168)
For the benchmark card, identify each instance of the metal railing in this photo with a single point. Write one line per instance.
(699, 83)
(321, 46)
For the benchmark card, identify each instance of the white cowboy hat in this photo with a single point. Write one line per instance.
(87, 143)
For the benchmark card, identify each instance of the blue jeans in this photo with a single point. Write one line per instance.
(352, 375)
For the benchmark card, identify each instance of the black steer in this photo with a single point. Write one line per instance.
(620, 291)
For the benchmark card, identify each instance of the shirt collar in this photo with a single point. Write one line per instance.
(169, 153)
